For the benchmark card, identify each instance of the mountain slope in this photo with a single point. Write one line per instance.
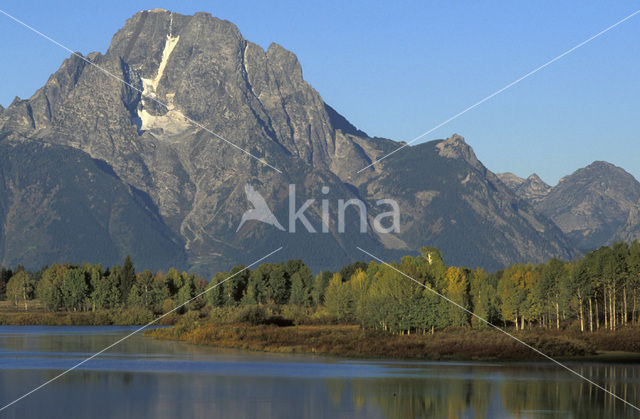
(595, 205)
(202, 69)
(60, 205)
(452, 201)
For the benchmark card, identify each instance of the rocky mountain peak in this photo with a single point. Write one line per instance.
(455, 147)
(533, 189)
(535, 178)
(594, 205)
(510, 180)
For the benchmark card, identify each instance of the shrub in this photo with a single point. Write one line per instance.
(132, 316)
(252, 314)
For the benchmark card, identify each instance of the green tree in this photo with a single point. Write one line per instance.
(20, 289)
(555, 281)
(215, 297)
(346, 272)
(457, 290)
(235, 285)
(634, 280)
(127, 277)
(300, 281)
(279, 287)
(5, 276)
(483, 296)
(148, 292)
(74, 289)
(174, 281)
(338, 299)
(512, 293)
(105, 292)
(320, 284)
(48, 289)
(187, 290)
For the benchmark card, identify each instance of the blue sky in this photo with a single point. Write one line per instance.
(397, 69)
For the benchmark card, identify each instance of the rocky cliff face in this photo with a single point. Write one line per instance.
(510, 180)
(188, 185)
(532, 189)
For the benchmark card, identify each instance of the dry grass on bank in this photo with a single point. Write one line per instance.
(352, 341)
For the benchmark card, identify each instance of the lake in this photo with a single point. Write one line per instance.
(143, 377)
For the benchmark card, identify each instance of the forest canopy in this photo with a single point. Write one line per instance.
(597, 291)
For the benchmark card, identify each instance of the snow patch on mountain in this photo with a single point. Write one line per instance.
(173, 122)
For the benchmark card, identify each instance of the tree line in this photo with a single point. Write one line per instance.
(598, 291)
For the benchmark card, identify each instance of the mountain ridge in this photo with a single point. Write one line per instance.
(203, 69)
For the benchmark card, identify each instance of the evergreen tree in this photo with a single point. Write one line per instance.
(5, 275)
(127, 277)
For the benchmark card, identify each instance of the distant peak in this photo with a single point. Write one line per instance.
(510, 179)
(601, 164)
(534, 178)
(535, 181)
(455, 147)
(601, 172)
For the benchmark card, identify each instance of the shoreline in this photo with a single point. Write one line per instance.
(351, 342)
(86, 318)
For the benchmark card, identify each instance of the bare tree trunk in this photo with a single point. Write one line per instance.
(581, 318)
(634, 315)
(522, 323)
(557, 315)
(624, 300)
(590, 316)
(612, 301)
(606, 304)
(597, 313)
(516, 322)
(24, 297)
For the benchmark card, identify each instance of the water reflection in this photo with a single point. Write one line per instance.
(149, 378)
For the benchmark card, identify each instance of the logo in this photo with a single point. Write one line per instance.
(261, 212)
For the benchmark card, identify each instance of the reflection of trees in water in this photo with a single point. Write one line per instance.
(414, 397)
(526, 391)
(572, 396)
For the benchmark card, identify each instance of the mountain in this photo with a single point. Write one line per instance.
(510, 180)
(532, 189)
(595, 205)
(126, 172)
(452, 201)
(58, 204)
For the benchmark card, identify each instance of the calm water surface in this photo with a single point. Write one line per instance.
(142, 377)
